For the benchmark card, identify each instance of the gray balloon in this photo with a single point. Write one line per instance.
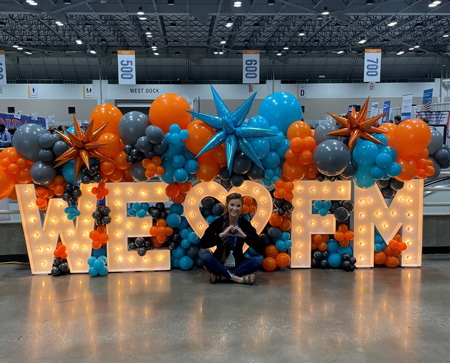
(437, 170)
(441, 156)
(42, 173)
(132, 126)
(59, 148)
(26, 141)
(436, 141)
(143, 144)
(255, 173)
(154, 134)
(138, 172)
(331, 157)
(321, 131)
(46, 155)
(46, 141)
(162, 147)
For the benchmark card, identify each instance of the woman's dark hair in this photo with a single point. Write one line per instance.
(225, 213)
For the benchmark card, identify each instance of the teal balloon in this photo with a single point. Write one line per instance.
(258, 121)
(394, 170)
(281, 110)
(334, 260)
(366, 153)
(186, 263)
(68, 172)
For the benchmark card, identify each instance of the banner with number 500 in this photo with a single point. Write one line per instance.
(372, 65)
(126, 66)
(250, 66)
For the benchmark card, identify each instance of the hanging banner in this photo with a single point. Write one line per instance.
(126, 64)
(250, 66)
(2, 67)
(407, 106)
(426, 100)
(372, 65)
(374, 109)
(12, 122)
(387, 109)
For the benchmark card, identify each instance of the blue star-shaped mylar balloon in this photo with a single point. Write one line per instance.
(231, 130)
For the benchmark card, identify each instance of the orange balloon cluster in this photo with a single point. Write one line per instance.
(160, 231)
(99, 237)
(343, 235)
(100, 191)
(275, 259)
(249, 205)
(117, 170)
(169, 109)
(283, 190)
(153, 166)
(177, 191)
(57, 185)
(14, 169)
(390, 256)
(283, 223)
(299, 158)
(319, 241)
(60, 251)
(43, 195)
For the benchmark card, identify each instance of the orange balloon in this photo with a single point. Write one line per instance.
(343, 228)
(297, 145)
(409, 168)
(312, 172)
(344, 243)
(13, 168)
(23, 176)
(389, 128)
(323, 246)
(11, 154)
(127, 175)
(275, 219)
(106, 113)
(306, 157)
(294, 173)
(199, 135)
(310, 143)
(185, 187)
(289, 186)
(391, 261)
(207, 169)
(314, 246)
(13, 195)
(402, 246)
(179, 199)
(411, 137)
(117, 176)
(317, 238)
(154, 230)
(393, 244)
(271, 251)
(22, 162)
(339, 236)
(379, 258)
(291, 157)
(107, 167)
(169, 109)
(248, 200)
(285, 224)
(121, 161)
(398, 237)
(298, 129)
(252, 209)
(269, 264)
(219, 154)
(113, 144)
(244, 209)
(349, 235)
(283, 259)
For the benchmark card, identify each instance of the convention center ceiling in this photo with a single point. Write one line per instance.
(203, 40)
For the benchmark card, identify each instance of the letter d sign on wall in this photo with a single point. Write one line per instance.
(126, 64)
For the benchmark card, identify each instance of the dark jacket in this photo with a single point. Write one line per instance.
(211, 239)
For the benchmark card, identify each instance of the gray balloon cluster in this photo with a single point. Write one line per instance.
(26, 141)
(438, 153)
(132, 126)
(321, 131)
(331, 157)
(42, 173)
(435, 142)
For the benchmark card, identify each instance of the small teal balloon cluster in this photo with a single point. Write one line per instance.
(98, 266)
(375, 162)
(138, 209)
(284, 243)
(189, 237)
(250, 253)
(321, 207)
(380, 245)
(175, 219)
(72, 211)
(179, 163)
(211, 209)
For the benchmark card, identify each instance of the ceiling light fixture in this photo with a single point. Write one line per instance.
(79, 41)
(28, 52)
(393, 22)
(417, 45)
(16, 45)
(170, 2)
(340, 52)
(19, 48)
(216, 52)
(400, 53)
(237, 4)
(32, 2)
(221, 52)
(279, 53)
(412, 48)
(57, 22)
(92, 51)
(142, 18)
(229, 23)
(325, 11)
(434, 3)
(270, 2)
(140, 12)
(362, 41)
(321, 76)
(67, 2)
(301, 33)
(369, 2)
(156, 53)
(285, 47)
(445, 35)
(223, 41)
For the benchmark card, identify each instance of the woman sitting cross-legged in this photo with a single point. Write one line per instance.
(229, 233)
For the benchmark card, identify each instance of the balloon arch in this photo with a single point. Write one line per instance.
(135, 192)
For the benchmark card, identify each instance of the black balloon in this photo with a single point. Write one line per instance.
(281, 212)
(350, 170)
(226, 183)
(352, 260)
(127, 149)
(288, 207)
(349, 205)
(63, 267)
(224, 174)
(242, 163)
(396, 185)
(345, 257)
(318, 255)
(132, 246)
(208, 202)
(341, 214)
(320, 177)
(160, 206)
(346, 265)
(334, 205)
(55, 271)
(140, 242)
(57, 261)
(255, 173)
(383, 183)
(324, 264)
(237, 180)
(326, 254)
(278, 203)
(142, 251)
(315, 263)
(388, 193)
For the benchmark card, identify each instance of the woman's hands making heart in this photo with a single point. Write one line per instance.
(232, 231)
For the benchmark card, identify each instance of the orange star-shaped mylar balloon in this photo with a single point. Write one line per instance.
(356, 126)
(82, 146)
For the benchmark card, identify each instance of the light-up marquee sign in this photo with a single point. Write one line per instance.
(371, 211)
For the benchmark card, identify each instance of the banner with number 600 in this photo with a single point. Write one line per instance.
(372, 65)
(250, 66)
(126, 66)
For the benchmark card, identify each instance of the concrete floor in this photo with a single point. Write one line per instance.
(371, 315)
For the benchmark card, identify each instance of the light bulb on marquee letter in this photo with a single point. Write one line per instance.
(405, 210)
(122, 227)
(305, 224)
(41, 240)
